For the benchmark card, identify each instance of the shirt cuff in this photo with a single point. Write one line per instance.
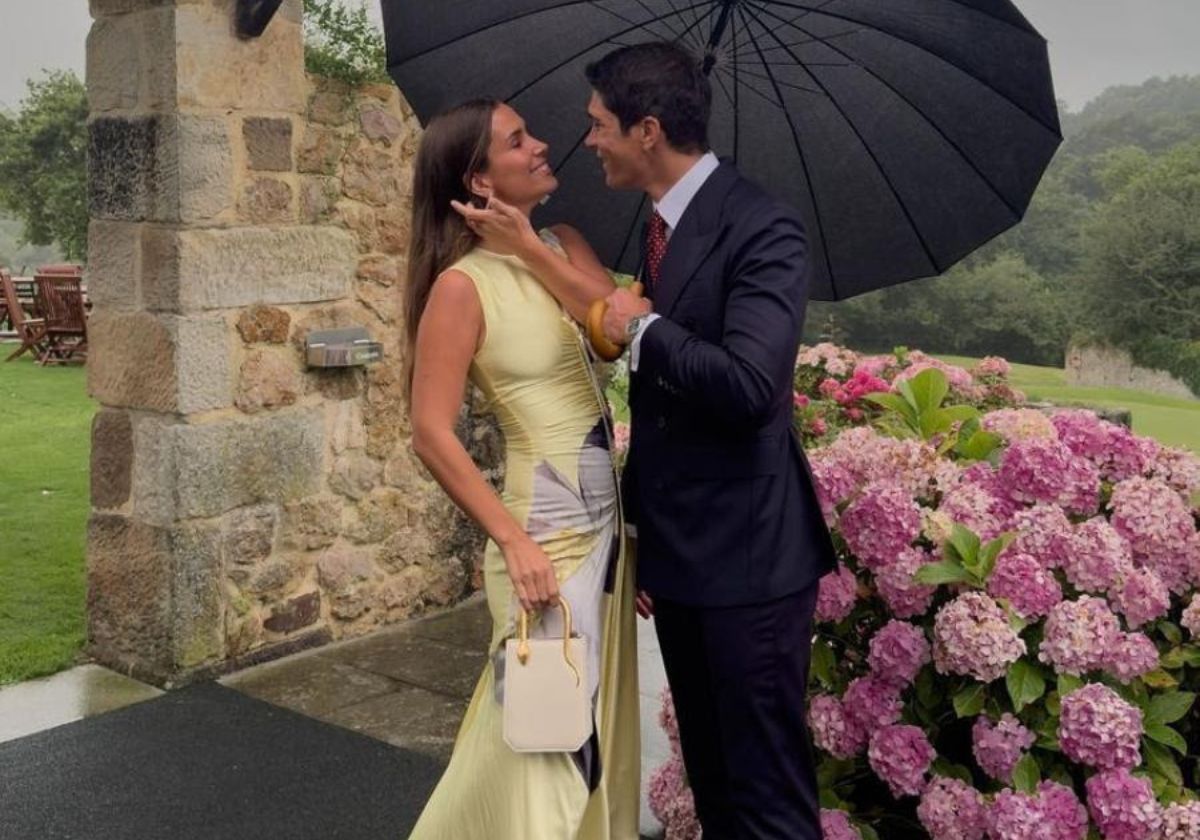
(635, 346)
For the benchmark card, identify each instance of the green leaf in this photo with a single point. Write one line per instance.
(1026, 774)
(979, 446)
(866, 831)
(950, 770)
(1171, 632)
(929, 389)
(956, 413)
(1173, 659)
(928, 693)
(1068, 683)
(965, 543)
(1159, 679)
(895, 403)
(992, 550)
(1169, 707)
(946, 571)
(1166, 735)
(1160, 761)
(1025, 684)
(824, 664)
(969, 702)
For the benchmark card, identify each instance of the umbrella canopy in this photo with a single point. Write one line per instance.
(907, 132)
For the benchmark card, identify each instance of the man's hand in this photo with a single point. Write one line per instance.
(644, 605)
(623, 305)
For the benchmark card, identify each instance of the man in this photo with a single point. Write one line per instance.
(731, 541)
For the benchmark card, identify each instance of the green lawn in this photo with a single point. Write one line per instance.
(1169, 420)
(45, 419)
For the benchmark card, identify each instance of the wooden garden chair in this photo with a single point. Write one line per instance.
(61, 301)
(31, 332)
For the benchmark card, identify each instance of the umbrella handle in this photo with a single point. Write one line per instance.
(605, 349)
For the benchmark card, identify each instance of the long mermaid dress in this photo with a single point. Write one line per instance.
(560, 483)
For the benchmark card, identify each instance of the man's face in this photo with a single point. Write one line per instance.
(625, 161)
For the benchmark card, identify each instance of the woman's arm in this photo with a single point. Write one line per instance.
(451, 330)
(575, 281)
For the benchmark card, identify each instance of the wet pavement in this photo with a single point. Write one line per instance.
(408, 686)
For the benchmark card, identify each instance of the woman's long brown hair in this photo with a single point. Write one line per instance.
(453, 148)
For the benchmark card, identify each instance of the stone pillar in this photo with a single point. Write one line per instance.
(244, 506)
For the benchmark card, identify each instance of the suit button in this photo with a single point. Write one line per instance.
(661, 422)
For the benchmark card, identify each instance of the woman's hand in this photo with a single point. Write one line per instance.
(532, 574)
(503, 226)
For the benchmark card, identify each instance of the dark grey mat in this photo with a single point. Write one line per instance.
(208, 762)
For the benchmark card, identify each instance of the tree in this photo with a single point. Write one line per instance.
(341, 43)
(1142, 252)
(43, 163)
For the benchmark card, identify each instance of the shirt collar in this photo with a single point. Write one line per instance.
(676, 200)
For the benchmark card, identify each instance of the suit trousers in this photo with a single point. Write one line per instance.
(738, 676)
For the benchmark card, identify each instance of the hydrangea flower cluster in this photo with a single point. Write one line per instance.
(950, 809)
(999, 746)
(1141, 597)
(1160, 530)
(835, 825)
(1020, 424)
(1099, 557)
(1053, 813)
(1078, 635)
(901, 755)
(836, 595)
(1191, 617)
(1181, 821)
(1026, 584)
(897, 652)
(1123, 806)
(905, 598)
(831, 728)
(882, 522)
(1084, 589)
(1043, 532)
(1132, 655)
(1099, 729)
(972, 636)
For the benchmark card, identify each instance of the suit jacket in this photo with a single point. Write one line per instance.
(716, 482)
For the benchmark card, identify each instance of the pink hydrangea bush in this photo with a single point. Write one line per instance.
(1010, 646)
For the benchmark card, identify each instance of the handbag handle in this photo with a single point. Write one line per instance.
(523, 650)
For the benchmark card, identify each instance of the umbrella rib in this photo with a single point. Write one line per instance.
(632, 226)
(866, 147)
(584, 51)
(565, 4)
(737, 123)
(964, 70)
(949, 141)
(648, 10)
(770, 101)
(800, 153)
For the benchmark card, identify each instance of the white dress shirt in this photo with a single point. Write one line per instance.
(672, 207)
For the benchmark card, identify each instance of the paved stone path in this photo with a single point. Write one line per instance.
(407, 685)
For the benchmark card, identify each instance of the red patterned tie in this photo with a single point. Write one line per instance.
(656, 246)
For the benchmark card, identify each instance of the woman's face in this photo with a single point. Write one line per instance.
(518, 171)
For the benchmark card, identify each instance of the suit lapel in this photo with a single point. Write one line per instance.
(695, 237)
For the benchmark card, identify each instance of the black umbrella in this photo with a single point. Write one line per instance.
(908, 132)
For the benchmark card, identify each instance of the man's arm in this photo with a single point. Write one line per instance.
(739, 378)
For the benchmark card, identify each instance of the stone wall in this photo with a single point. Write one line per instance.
(243, 505)
(1110, 367)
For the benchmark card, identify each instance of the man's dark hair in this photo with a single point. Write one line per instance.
(658, 79)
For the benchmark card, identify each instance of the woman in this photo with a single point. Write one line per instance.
(500, 308)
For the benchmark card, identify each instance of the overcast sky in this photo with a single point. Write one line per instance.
(1093, 43)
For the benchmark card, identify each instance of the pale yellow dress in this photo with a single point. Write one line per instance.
(560, 484)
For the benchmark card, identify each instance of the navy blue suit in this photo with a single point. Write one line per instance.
(731, 541)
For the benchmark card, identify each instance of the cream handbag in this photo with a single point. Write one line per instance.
(546, 706)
